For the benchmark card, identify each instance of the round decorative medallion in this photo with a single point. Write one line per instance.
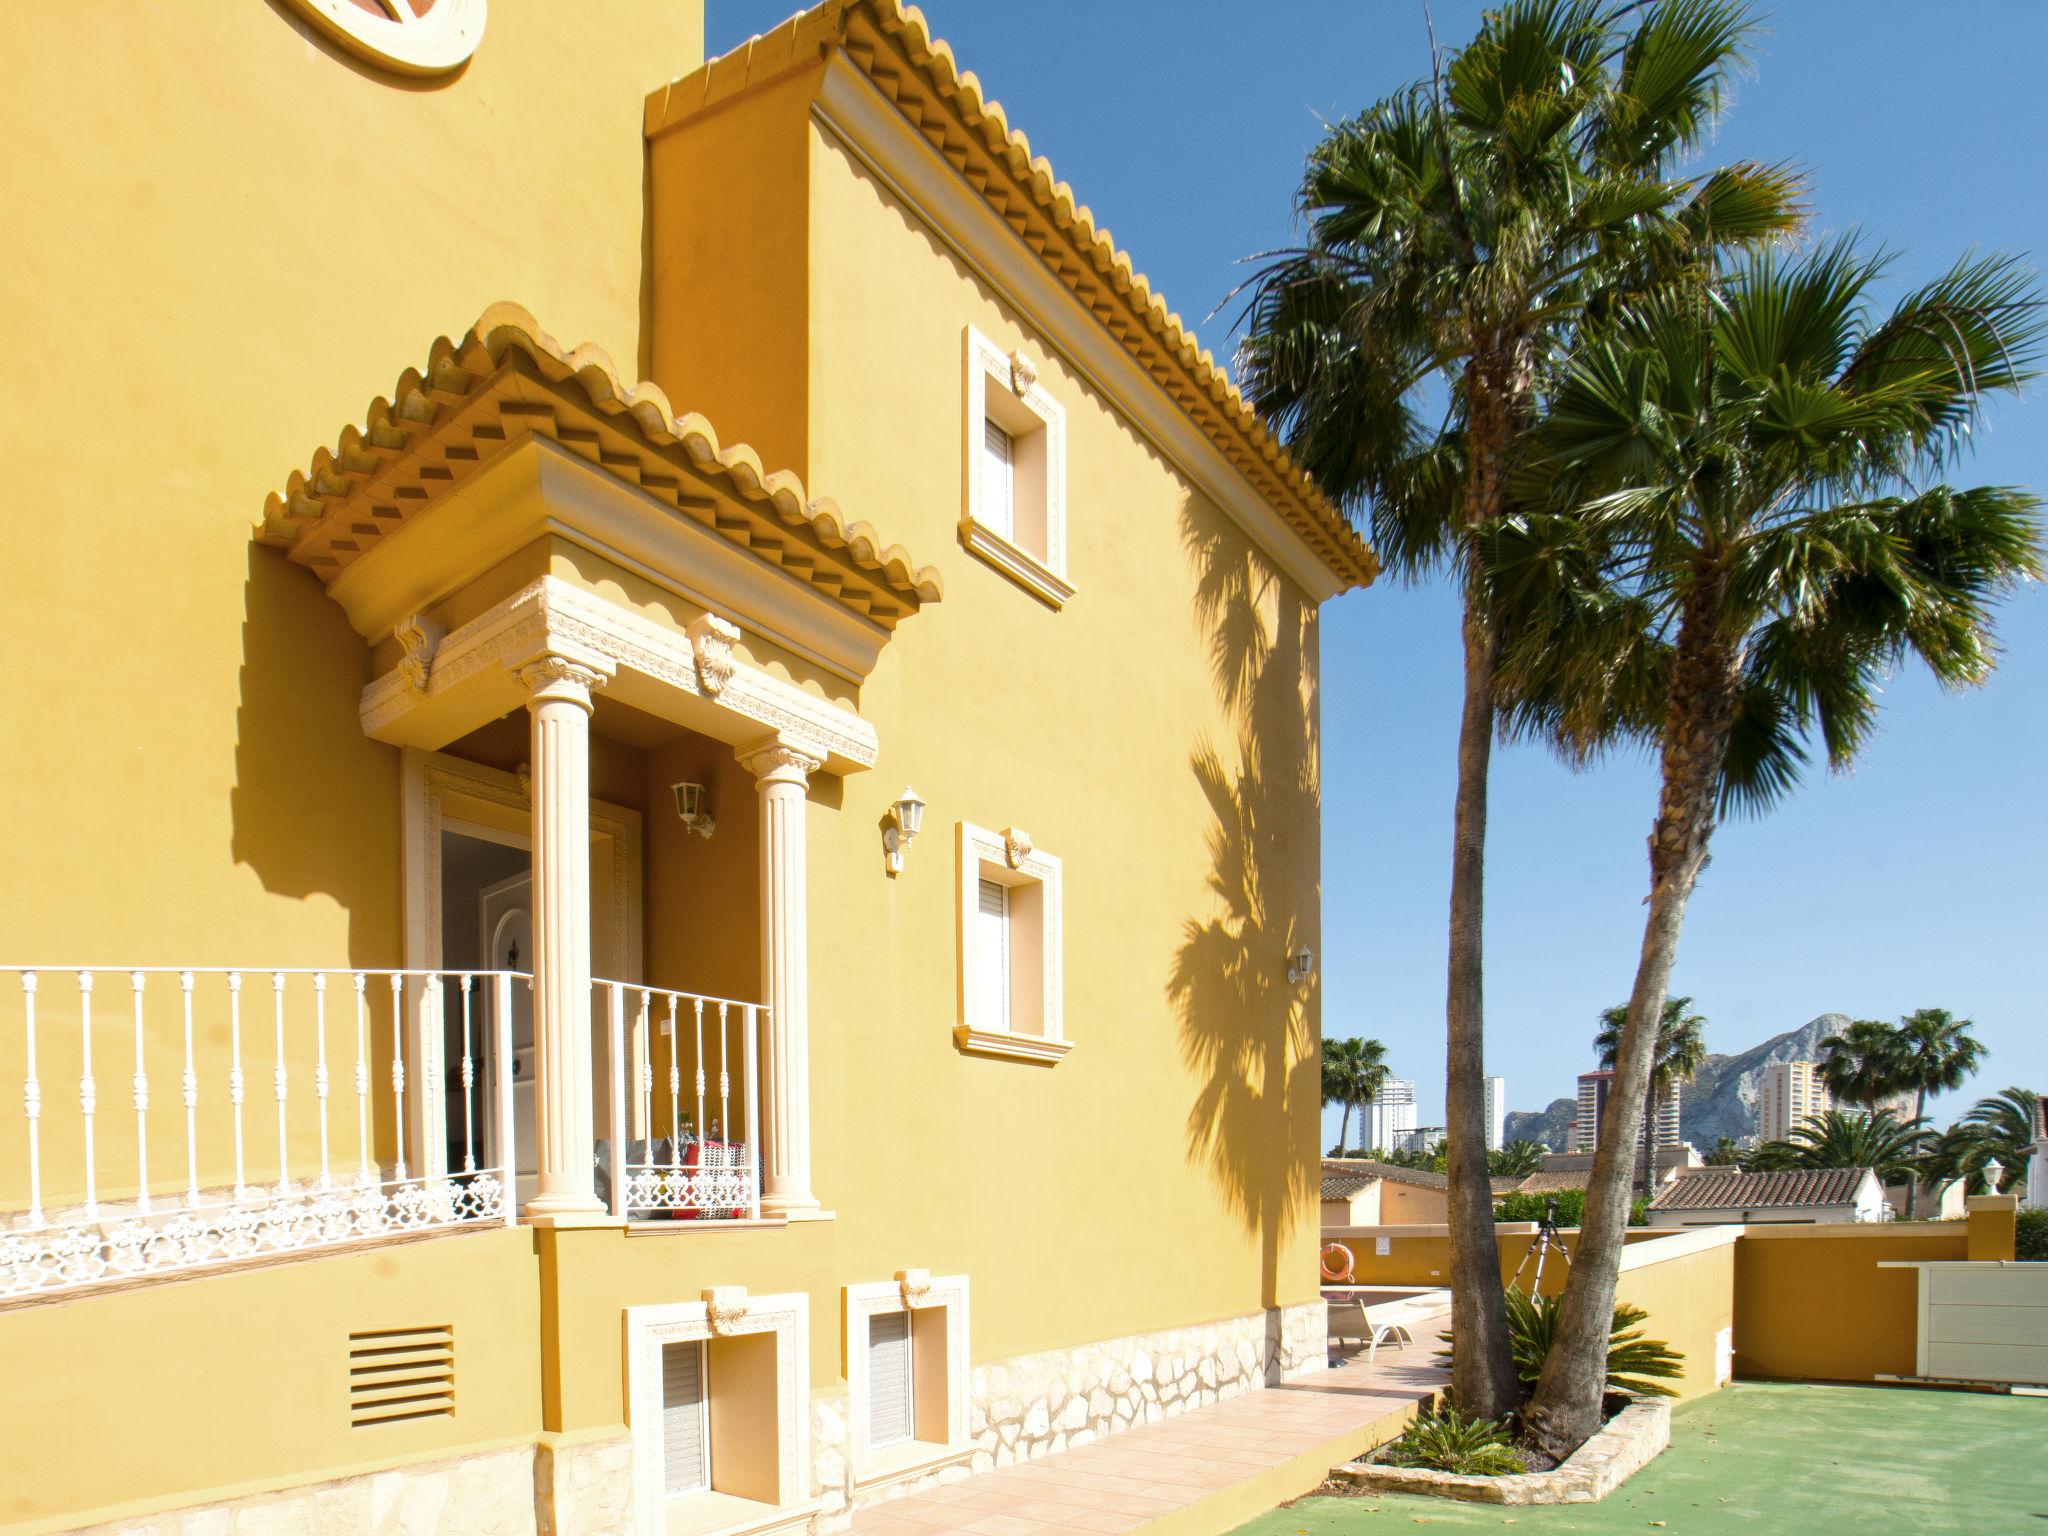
(417, 37)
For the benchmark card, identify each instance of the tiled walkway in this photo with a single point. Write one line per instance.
(1203, 1472)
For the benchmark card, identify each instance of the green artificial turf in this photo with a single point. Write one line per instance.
(1777, 1459)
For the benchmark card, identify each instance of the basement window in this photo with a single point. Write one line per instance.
(906, 1378)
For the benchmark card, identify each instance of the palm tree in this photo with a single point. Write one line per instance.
(1458, 230)
(1936, 1053)
(1725, 1153)
(1848, 1139)
(1354, 1072)
(1754, 532)
(1681, 1052)
(1516, 1159)
(2002, 1128)
(1860, 1065)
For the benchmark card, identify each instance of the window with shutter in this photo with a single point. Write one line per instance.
(890, 1415)
(992, 962)
(685, 1464)
(999, 476)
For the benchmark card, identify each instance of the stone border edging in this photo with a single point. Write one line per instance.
(1624, 1446)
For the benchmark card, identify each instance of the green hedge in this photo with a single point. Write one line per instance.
(1571, 1208)
(2031, 1241)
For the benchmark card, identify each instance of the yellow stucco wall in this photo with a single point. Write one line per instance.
(1817, 1306)
(239, 1381)
(1690, 1299)
(227, 239)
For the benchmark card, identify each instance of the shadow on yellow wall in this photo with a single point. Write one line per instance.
(1245, 1029)
(315, 801)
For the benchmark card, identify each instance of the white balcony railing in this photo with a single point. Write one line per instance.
(362, 1136)
(683, 1123)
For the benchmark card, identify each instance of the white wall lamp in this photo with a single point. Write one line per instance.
(1301, 964)
(690, 808)
(900, 825)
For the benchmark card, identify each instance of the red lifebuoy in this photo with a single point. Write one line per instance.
(1338, 1272)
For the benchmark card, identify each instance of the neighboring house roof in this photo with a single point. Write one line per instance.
(1506, 1183)
(1343, 1177)
(414, 449)
(1732, 1189)
(889, 43)
(2041, 1117)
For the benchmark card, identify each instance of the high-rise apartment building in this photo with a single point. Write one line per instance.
(1496, 1113)
(1390, 1115)
(1593, 1091)
(1789, 1094)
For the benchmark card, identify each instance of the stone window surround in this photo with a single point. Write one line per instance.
(1007, 378)
(913, 1290)
(1010, 858)
(724, 1312)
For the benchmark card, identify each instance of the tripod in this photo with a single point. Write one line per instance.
(1547, 1237)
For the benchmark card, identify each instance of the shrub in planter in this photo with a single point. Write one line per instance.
(1634, 1364)
(1446, 1441)
(1571, 1208)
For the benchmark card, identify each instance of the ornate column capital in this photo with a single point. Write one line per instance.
(551, 675)
(779, 758)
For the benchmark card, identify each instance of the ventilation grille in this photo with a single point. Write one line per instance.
(400, 1373)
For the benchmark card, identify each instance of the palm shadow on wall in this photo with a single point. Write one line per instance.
(1249, 1034)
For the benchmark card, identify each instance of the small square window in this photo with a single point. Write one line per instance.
(906, 1378)
(1016, 472)
(1010, 961)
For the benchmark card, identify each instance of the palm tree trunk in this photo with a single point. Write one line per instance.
(1913, 1178)
(1483, 1380)
(1705, 673)
(1649, 1154)
(1344, 1130)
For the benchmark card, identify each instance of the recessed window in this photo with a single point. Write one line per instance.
(891, 1387)
(1016, 471)
(906, 1377)
(719, 1427)
(1010, 963)
(686, 1461)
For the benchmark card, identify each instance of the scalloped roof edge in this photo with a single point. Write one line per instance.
(506, 327)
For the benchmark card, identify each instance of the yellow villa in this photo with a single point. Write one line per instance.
(638, 897)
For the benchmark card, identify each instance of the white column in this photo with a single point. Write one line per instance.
(782, 769)
(559, 703)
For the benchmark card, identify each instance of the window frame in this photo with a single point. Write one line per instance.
(1003, 387)
(1010, 859)
(913, 1294)
(724, 1313)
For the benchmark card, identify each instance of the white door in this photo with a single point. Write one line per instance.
(505, 915)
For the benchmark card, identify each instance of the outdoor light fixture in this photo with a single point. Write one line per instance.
(900, 824)
(1301, 964)
(690, 808)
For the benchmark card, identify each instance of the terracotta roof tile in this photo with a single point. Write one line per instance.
(1731, 1188)
(1366, 1169)
(320, 498)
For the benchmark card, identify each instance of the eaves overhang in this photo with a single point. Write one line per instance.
(493, 410)
(892, 48)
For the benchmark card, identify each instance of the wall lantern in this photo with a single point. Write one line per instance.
(1301, 964)
(690, 808)
(900, 826)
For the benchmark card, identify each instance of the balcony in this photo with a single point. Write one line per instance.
(182, 1119)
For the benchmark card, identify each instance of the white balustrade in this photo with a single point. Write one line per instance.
(71, 1215)
(699, 1162)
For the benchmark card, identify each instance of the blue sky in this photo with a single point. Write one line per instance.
(1914, 881)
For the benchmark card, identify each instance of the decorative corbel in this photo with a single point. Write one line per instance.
(711, 643)
(916, 1285)
(1016, 846)
(1022, 375)
(421, 637)
(726, 1307)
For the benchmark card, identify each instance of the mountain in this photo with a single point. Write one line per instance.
(1721, 1101)
(1548, 1126)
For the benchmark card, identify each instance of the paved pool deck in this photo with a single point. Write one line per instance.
(1777, 1459)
